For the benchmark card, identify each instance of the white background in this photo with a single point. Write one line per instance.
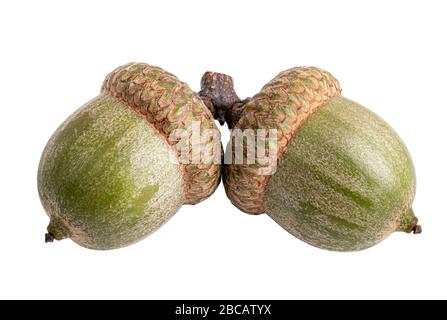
(388, 55)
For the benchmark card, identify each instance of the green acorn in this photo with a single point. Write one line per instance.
(338, 177)
(107, 177)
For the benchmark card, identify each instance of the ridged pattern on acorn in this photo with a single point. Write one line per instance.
(169, 104)
(283, 104)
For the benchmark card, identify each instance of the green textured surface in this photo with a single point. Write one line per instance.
(172, 107)
(345, 182)
(105, 178)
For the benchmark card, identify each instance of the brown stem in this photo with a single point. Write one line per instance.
(417, 229)
(49, 237)
(217, 92)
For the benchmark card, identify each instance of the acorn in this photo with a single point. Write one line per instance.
(117, 168)
(334, 174)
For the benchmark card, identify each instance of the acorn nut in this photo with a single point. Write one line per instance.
(337, 176)
(115, 171)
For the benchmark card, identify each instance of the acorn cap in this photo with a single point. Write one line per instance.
(169, 104)
(284, 103)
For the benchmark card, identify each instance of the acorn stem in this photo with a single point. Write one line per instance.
(49, 237)
(56, 230)
(417, 229)
(217, 92)
(409, 223)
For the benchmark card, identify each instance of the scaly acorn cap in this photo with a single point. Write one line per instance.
(284, 104)
(169, 104)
